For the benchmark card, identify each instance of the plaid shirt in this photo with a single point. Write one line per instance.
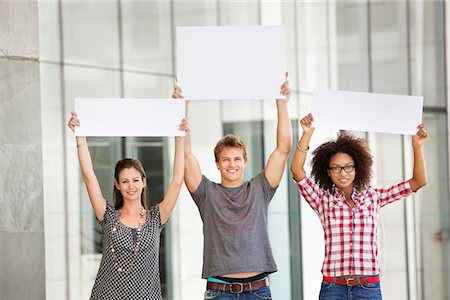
(351, 234)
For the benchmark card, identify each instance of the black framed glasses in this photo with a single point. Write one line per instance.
(338, 169)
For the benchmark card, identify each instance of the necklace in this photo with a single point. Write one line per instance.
(137, 244)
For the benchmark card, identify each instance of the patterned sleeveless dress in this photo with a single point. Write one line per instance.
(142, 280)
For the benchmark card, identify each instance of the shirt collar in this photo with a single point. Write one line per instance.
(339, 197)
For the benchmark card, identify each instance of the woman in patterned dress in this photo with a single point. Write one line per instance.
(348, 208)
(129, 267)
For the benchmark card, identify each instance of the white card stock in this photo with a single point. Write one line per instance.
(367, 111)
(231, 62)
(129, 117)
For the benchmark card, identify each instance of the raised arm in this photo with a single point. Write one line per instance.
(301, 149)
(192, 171)
(98, 202)
(419, 178)
(277, 160)
(170, 199)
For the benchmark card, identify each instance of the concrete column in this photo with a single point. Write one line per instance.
(22, 256)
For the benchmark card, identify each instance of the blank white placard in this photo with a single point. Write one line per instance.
(129, 117)
(231, 62)
(367, 111)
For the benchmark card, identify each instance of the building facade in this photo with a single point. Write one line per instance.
(127, 49)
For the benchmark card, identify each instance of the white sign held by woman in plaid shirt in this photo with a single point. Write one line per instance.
(371, 112)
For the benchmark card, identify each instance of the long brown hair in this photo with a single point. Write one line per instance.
(129, 163)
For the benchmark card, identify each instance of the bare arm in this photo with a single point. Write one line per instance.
(192, 171)
(419, 178)
(98, 202)
(301, 149)
(275, 165)
(170, 199)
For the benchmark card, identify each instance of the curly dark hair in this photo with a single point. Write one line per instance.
(345, 143)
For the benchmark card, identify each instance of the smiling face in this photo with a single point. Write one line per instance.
(343, 179)
(231, 165)
(130, 184)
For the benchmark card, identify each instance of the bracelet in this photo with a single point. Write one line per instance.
(301, 149)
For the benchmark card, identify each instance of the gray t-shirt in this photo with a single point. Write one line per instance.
(235, 226)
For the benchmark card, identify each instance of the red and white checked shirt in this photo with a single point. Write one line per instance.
(351, 234)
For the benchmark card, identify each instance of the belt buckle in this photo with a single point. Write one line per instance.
(347, 281)
(241, 285)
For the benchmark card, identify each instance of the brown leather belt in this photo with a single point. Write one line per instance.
(349, 281)
(237, 287)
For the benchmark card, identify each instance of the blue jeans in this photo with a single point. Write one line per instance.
(262, 293)
(333, 291)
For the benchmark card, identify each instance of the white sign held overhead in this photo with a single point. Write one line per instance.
(367, 111)
(231, 62)
(129, 117)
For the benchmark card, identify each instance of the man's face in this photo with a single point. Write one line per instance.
(231, 165)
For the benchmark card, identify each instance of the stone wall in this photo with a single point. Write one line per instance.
(22, 255)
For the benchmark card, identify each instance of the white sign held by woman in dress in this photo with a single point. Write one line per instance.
(129, 117)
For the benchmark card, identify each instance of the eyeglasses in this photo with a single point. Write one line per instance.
(338, 169)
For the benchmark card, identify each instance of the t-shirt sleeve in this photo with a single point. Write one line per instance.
(394, 193)
(312, 193)
(268, 190)
(199, 195)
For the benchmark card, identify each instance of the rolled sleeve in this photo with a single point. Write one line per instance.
(394, 193)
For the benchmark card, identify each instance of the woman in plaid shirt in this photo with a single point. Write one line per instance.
(348, 208)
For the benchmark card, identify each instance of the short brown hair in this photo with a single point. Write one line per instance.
(348, 144)
(232, 141)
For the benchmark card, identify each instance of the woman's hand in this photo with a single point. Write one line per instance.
(306, 123)
(73, 121)
(285, 90)
(420, 137)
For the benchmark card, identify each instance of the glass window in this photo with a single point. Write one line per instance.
(90, 82)
(147, 36)
(195, 13)
(105, 152)
(151, 152)
(251, 134)
(312, 44)
(49, 43)
(142, 85)
(91, 33)
(432, 212)
(389, 165)
(352, 46)
(238, 13)
(388, 47)
(428, 51)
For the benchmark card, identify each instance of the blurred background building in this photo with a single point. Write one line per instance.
(53, 51)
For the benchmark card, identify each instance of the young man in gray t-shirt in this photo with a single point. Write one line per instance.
(237, 256)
